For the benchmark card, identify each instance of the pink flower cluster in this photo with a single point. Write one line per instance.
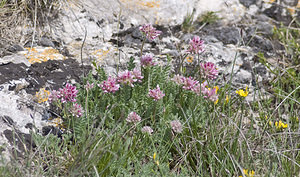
(110, 85)
(133, 117)
(130, 77)
(209, 70)
(188, 83)
(147, 129)
(176, 126)
(196, 45)
(200, 89)
(76, 110)
(156, 94)
(147, 60)
(66, 94)
(149, 31)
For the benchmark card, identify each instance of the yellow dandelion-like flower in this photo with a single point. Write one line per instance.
(154, 155)
(243, 93)
(42, 95)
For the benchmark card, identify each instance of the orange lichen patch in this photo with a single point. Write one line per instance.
(269, 1)
(151, 4)
(57, 122)
(42, 95)
(291, 10)
(39, 55)
(142, 3)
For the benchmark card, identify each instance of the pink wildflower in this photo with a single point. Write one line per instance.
(211, 94)
(110, 85)
(189, 83)
(68, 93)
(147, 129)
(54, 96)
(209, 70)
(147, 60)
(156, 94)
(200, 87)
(196, 45)
(89, 86)
(133, 117)
(176, 126)
(137, 74)
(76, 110)
(150, 32)
(127, 78)
(178, 79)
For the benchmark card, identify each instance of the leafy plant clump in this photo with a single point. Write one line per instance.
(148, 121)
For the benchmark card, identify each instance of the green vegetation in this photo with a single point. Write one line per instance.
(195, 133)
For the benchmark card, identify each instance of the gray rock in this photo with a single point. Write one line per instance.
(247, 3)
(261, 43)
(290, 2)
(15, 48)
(228, 35)
(264, 28)
(46, 42)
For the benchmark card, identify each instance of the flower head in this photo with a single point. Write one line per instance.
(147, 129)
(76, 110)
(209, 70)
(178, 79)
(156, 94)
(42, 95)
(149, 31)
(176, 126)
(200, 88)
(247, 173)
(196, 45)
(127, 78)
(68, 93)
(280, 125)
(133, 117)
(242, 93)
(211, 94)
(147, 60)
(189, 83)
(89, 86)
(137, 74)
(54, 96)
(110, 85)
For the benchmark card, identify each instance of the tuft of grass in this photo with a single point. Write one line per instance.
(188, 22)
(208, 18)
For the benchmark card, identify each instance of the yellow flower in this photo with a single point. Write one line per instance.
(154, 156)
(248, 174)
(280, 125)
(189, 59)
(227, 98)
(243, 93)
(42, 95)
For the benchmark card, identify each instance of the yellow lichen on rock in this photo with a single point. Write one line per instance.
(39, 55)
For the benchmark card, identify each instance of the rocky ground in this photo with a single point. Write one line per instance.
(107, 33)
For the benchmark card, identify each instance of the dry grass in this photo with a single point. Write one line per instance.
(20, 19)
